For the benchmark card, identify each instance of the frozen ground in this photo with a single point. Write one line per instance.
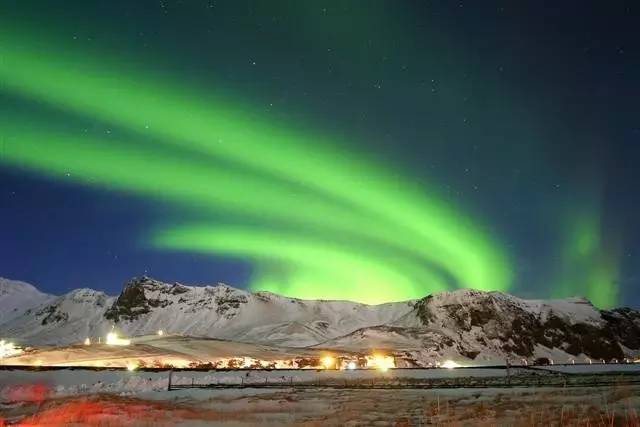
(16, 384)
(70, 382)
(518, 407)
(120, 398)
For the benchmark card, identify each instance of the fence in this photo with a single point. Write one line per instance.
(542, 379)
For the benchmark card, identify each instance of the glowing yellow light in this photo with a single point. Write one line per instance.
(87, 341)
(381, 362)
(160, 332)
(450, 364)
(114, 339)
(328, 362)
(8, 349)
(131, 367)
(351, 365)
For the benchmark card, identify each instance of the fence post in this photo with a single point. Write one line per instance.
(169, 384)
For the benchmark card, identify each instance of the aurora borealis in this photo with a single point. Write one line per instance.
(279, 198)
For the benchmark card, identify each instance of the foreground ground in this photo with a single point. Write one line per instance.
(68, 397)
(608, 406)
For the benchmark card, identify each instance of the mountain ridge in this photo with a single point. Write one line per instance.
(465, 323)
(17, 296)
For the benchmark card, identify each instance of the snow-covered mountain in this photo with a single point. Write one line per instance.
(62, 320)
(146, 306)
(220, 311)
(494, 326)
(464, 323)
(16, 297)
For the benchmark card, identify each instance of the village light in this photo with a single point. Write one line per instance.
(131, 366)
(160, 332)
(87, 341)
(380, 362)
(328, 362)
(351, 365)
(114, 339)
(450, 364)
(8, 349)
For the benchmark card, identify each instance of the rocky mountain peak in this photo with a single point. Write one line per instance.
(143, 295)
(521, 327)
(140, 296)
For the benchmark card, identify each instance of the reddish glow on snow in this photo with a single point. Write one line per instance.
(113, 411)
(36, 393)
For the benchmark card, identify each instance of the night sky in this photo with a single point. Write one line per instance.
(374, 151)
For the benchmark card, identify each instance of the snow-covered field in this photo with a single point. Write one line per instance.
(116, 397)
(75, 382)
(68, 382)
(153, 350)
(321, 407)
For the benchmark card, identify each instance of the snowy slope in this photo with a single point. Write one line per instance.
(66, 319)
(147, 305)
(149, 350)
(492, 325)
(16, 297)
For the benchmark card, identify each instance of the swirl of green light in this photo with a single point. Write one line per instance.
(180, 118)
(146, 171)
(321, 269)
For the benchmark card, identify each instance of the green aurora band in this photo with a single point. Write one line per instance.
(589, 264)
(368, 277)
(360, 231)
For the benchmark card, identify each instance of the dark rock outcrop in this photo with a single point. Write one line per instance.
(517, 330)
(135, 299)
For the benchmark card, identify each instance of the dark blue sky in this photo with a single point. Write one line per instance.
(525, 115)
